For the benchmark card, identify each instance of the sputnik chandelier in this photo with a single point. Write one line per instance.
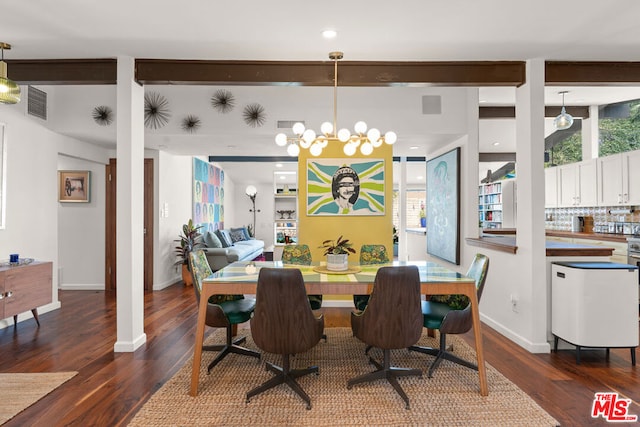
(307, 138)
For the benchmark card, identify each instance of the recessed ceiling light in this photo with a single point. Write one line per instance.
(495, 144)
(231, 146)
(278, 165)
(413, 147)
(329, 34)
(419, 177)
(483, 101)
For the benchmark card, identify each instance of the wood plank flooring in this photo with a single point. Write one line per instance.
(111, 387)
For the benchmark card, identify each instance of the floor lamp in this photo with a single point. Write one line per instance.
(252, 192)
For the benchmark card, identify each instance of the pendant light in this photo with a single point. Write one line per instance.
(9, 90)
(564, 119)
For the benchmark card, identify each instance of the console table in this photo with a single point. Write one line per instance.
(25, 287)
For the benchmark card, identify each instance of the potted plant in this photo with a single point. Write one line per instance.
(189, 240)
(395, 241)
(337, 252)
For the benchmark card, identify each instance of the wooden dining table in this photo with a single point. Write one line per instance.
(241, 277)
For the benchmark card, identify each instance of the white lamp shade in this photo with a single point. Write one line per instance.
(251, 190)
(298, 128)
(316, 149)
(326, 128)
(349, 149)
(366, 148)
(293, 150)
(390, 137)
(281, 139)
(360, 127)
(344, 135)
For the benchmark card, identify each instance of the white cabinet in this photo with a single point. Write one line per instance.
(285, 226)
(551, 187)
(578, 184)
(497, 204)
(619, 179)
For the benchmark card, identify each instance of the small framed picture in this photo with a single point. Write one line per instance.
(74, 186)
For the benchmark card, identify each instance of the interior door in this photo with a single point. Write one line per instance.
(110, 226)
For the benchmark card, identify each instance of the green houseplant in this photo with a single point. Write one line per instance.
(337, 252)
(188, 241)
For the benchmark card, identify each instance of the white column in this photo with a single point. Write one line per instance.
(591, 134)
(130, 209)
(530, 284)
(402, 211)
(469, 176)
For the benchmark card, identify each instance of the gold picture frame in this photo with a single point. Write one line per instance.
(74, 186)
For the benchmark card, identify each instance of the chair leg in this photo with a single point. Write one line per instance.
(231, 346)
(388, 372)
(285, 375)
(444, 354)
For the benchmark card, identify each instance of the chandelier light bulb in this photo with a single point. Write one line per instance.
(360, 127)
(366, 148)
(373, 135)
(390, 137)
(293, 150)
(307, 138)
(316, 149)
(281, 139)
(349, 149)
(344, 135)
(298, 128)
(326, 128)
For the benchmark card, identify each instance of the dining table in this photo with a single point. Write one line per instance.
(241, 277)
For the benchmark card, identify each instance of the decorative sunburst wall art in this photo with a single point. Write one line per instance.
(190, 123)
(223, 101)
(156, 110)
(254, 115)
(102, 115)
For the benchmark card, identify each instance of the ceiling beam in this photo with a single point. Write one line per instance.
(63, 71)
(508, 112)
(316, 73)
(496, 157)
(563, 73)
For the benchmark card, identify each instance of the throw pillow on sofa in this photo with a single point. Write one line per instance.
(211, 240)
(224, 237)
(237, 235)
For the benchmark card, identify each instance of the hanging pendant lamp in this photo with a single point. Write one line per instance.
(9, 90)
(564, 119)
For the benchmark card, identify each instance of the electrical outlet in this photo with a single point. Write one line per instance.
(514, 303)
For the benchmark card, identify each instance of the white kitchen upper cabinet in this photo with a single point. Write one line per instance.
(551, 187)
(578, 184)
(619, 179)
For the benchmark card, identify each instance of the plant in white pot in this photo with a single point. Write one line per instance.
(337, 252)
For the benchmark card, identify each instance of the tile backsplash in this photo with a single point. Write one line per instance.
(606, 219)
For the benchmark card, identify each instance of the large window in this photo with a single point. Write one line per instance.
(414, 209)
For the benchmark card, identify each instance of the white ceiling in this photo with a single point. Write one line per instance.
(413, 30)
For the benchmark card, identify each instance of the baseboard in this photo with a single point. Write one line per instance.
(129, 346)
(543, 347)
(81, 286)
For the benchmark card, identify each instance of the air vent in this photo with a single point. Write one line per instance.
(288, 124)
(431, 104)
(37, 103)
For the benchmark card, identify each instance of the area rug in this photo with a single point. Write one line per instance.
(18, 391)
(450, 398)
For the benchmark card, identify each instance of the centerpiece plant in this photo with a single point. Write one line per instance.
(188, 241)
(337, 252)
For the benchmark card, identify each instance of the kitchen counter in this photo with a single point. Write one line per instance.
(506, 243)
(621, 238)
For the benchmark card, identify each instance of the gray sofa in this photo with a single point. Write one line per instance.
(226, 246)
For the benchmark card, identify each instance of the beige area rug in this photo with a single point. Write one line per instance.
(451, 397)
(19, 391)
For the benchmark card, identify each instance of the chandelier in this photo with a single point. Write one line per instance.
(564, 119)
(9, 90)
(308, 139)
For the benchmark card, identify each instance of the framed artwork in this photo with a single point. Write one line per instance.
(443, 206)
(74, 186)
(353, 187)
(208, 196)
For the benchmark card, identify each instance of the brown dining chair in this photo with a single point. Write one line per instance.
(283, 323)
(451, 314)
(223, 311)
(392, 320)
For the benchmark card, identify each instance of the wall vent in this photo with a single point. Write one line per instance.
(431, 104)
(288, 124)
(37, 103)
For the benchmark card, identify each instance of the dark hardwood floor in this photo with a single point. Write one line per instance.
(110, 387)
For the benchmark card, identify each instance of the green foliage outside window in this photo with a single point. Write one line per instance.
(616, 136)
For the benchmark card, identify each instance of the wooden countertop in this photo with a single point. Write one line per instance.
(508, 244)
(621, 238)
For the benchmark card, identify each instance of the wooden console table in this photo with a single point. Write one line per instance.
(25, 287)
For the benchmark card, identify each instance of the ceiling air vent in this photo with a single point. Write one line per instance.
(37, 103)
(288, 124)
(431, 104)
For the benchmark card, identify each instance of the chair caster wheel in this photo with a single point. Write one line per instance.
(349, 387)
(308, 407)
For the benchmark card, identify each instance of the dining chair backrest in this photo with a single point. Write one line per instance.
(373, 254)
(296, 254)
